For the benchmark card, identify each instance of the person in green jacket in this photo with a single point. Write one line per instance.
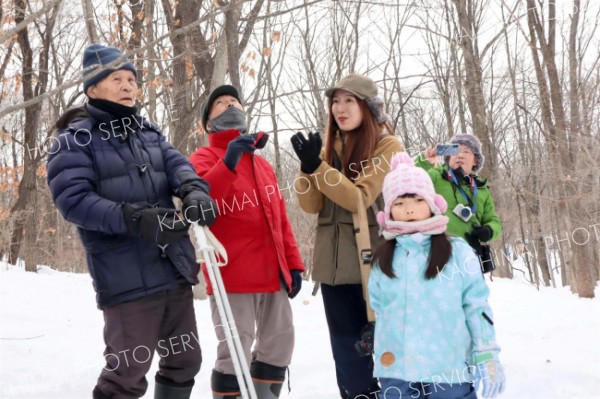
(471, 208)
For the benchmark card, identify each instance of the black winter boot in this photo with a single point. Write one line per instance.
(98, 394)
(166, 388)
(224, 386)
(374, 392)
(267, 379)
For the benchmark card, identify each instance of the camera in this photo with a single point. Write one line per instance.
(364, 346)
(463, 212)
(260, 139)
(446, 150)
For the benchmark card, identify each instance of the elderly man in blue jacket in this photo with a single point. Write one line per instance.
(113, 175)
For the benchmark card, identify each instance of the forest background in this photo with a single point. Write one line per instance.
(524, 76)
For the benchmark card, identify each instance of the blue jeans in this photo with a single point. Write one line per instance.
(392, 388)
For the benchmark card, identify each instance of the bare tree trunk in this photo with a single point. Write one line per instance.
(523, 235)
(135, 39)
(25, 229)
(180, 125)
(220, 67)
(88, 17)
(459, 90)
(271, 91)
(473, 80)
(152, 60)
(232, 18)
(9, 50)
(312, 72)
(570, 203)
(120, 21)
(442, 68)
(578, 158)
(503, 269)
(533, 206)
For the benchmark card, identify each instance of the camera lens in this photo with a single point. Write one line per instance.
(465, 212)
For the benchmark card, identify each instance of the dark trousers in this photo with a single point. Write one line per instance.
(392, 388)
(346, 315)
(164, 322)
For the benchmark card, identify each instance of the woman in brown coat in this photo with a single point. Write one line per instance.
(358, 150)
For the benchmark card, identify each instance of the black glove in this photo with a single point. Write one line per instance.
(364, 347)
(482, 233)
(260, 139)
(473, 242)
(159, 225)
(197, 205)
(236, 148)
(296, 283)
(308, 151)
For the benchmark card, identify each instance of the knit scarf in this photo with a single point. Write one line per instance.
(434, 225)
(115, 109)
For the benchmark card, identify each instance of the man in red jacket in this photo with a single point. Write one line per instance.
(264, 266)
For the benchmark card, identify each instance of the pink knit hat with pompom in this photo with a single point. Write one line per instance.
(405, 178)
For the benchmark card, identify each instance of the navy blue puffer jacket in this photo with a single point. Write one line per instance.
(91, 173)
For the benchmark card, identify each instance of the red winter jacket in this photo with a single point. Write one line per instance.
(252, 224)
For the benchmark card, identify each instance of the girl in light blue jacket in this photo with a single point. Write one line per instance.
(434, 334)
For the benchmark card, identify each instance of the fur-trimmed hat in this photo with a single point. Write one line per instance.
(365, 89)
(223, 90)
(471, 141)
(100, 56)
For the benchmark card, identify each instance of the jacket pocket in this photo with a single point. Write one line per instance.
(114, 266)
(183, 257)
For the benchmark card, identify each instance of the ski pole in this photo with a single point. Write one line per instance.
(207, 245)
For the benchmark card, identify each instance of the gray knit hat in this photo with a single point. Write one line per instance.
(471, 141)
(365, 89)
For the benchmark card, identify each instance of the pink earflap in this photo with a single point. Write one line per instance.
(441, 203)
(381, 218)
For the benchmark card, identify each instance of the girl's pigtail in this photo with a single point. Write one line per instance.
(383, 257)
(439, 254)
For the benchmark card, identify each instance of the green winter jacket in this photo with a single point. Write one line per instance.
(486, 210)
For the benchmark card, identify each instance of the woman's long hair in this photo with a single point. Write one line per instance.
(360, 143)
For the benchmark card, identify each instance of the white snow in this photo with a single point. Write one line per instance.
(51, 340)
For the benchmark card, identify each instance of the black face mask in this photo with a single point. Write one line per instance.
(115, 109)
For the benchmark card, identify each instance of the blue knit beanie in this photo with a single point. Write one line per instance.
(100, 56)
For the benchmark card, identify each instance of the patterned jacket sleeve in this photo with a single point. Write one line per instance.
(478, 313)
(374, 288)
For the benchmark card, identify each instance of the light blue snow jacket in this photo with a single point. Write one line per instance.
(431, 330)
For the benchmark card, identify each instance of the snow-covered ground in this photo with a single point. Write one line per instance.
(51, 340)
